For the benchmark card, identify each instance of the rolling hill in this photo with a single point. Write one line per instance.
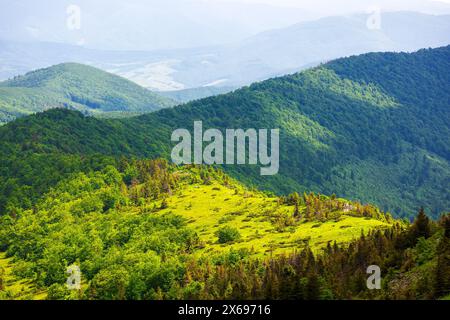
(76, 87)
(372, 128)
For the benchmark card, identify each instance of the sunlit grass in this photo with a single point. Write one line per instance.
(210, 207)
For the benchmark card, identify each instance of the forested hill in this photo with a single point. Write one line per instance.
(148, 230)
(75, 86)
(372, 128)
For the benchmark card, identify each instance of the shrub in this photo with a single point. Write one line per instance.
(228, 234)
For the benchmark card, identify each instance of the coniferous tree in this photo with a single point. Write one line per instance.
(420, 227)
(313, 287)
(296, 201)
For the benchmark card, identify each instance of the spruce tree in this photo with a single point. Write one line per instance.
(313, 287)
(420, 227)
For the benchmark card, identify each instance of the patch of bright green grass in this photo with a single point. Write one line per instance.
(210, 207)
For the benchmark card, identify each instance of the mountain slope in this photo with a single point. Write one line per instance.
(372, 128)
(147, 230)
(74, 86)
(162, 216)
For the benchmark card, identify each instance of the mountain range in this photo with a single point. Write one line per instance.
(363, 144)
(228, 66)
(372, 128)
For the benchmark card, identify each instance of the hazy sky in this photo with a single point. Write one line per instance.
(326, 7)
(159, 24)
(334, 4)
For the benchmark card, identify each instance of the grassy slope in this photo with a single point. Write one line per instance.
(210, 207)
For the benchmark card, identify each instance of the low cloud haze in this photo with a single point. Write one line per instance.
(149, 25)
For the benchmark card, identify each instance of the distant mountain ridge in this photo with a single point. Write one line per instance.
(78, 87)
(265, 55)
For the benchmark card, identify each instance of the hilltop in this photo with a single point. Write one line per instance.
(78, 87)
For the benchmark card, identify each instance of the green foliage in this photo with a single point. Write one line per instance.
(424, 251)
(58, 292)
(442, 274)
(420, 227)
(114, 246)
(228, 234)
